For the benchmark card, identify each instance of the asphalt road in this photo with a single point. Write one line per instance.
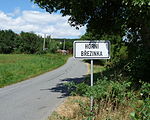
(36, 98)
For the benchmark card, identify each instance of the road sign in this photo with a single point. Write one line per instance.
(91, 49)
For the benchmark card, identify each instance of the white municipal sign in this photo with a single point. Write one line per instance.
(91, 49)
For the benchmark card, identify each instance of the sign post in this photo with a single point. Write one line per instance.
(91, 84)
(99, 49)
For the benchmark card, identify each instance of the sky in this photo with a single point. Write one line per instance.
(24, 15)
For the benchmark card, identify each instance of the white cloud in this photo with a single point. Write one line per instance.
(34, 6)
(40, 23)
(16, 12)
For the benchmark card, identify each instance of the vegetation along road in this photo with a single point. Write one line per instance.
(36, 98)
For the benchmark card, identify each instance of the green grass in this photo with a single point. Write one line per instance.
(17, 67)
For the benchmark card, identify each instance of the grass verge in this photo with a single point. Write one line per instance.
(74, 107)
(69, 109)
(18, 67)
(114, 99)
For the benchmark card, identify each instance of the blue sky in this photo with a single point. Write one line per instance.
(10, 5)
(24, 15)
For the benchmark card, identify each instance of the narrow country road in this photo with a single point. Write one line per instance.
(36, 98)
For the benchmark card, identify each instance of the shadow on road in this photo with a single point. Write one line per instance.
(62, 88)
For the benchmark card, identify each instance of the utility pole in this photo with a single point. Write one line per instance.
(64, 45)
(50, 39)
(44, 42)
(49, 46)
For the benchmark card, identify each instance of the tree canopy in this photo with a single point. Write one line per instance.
(104, 16)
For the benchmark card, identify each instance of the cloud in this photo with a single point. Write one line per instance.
(16, 12)
(40, 23)
(34, 6)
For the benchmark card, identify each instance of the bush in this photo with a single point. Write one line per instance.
(110, 90)
(142, 104)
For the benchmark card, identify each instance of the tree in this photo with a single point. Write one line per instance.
(105, 16)
(31, 43)
(7, 41)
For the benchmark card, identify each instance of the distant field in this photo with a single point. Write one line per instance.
(17, 67)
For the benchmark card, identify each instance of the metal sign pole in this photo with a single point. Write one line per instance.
(91, 83)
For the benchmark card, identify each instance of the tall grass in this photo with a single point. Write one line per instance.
(114, 99)
(17, 67)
